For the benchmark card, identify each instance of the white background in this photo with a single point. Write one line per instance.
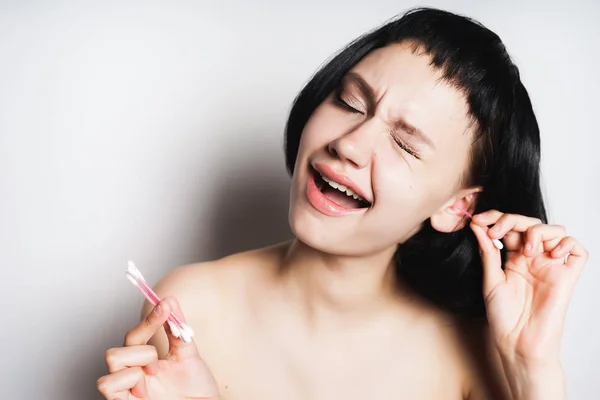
(152, 131)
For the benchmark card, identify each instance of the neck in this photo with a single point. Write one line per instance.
(345, 286)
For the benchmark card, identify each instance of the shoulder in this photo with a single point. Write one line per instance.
(482, 375)
(209, 290)
(464, 354)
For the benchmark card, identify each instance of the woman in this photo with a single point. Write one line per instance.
(391, 146)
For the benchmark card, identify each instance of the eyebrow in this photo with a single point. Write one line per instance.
(413, 131)
(400, 123)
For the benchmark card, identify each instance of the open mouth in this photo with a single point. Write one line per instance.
(338, 193)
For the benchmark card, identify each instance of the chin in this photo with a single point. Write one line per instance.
(331, 228)
(310, 229)
(336, 236)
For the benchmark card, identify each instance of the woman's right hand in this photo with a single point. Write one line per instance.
(135, 372)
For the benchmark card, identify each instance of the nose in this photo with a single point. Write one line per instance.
(356, 146)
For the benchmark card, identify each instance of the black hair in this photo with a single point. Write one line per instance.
(445, 268)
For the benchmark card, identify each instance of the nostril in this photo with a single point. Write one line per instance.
(331, 149)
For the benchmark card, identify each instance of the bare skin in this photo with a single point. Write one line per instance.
(324, 317)
(264, 337)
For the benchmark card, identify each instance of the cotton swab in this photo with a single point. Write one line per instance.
(497, 243)
(177, 326)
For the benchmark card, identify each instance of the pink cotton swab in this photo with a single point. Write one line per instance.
(497, 243)
(178, 327)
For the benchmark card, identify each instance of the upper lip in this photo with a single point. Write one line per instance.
(330, 174)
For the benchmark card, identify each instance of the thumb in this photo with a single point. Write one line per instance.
(177, 347)
(493, 274)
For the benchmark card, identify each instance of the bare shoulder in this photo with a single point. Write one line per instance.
(209, 290)
(478, 361)
(463, 355)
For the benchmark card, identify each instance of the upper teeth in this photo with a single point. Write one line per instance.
(342, 188)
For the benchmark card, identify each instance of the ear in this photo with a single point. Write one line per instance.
(451, 216)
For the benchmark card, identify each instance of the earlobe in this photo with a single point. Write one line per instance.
(453, 216)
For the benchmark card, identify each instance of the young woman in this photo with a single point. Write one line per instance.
(389, 289)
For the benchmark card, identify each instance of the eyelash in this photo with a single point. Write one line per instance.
(404, 147)
(341, 103)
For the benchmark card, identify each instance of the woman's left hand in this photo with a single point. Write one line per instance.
(526, 302)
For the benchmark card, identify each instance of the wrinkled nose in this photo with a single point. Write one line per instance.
(357, 146)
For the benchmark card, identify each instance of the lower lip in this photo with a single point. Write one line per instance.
(317, 199)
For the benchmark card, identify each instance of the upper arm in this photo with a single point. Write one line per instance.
(486, 379)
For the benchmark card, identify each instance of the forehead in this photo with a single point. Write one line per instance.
(404, 82)
(400, 64)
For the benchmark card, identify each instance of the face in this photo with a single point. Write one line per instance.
(396, 135)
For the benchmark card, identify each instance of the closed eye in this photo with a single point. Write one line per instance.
(340, 102)
(404, 146)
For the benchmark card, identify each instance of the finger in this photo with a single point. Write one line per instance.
(124, 395)
(575, 253)
(151, 368)
(178, 347)
(511, 222)
(142, 332)
(493, 217)
(131, 356)
(541, 237)
(491, 260)
(487, 218)
(139, 390)
(112, 385)
(513, 241)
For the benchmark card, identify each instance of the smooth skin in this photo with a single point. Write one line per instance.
(527, 302)
(324, 316)
(526, 306)
(137, 373)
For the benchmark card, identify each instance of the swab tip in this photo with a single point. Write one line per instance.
(174, 330)
(187, 329)
(133, 270)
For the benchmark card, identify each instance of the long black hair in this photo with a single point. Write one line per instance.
(446, 268)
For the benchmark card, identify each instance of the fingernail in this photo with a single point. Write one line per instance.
(157, 310)
(528, 247)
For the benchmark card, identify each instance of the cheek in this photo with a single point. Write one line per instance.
(407, 186)
(395, 183)
(322, 128)
(450, 168)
